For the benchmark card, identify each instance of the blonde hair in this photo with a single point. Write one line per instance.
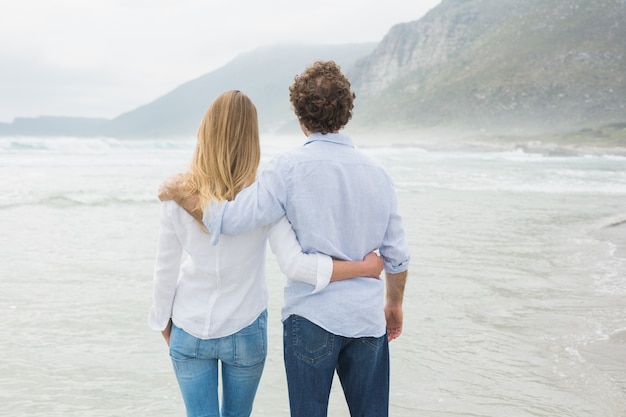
(227, 152)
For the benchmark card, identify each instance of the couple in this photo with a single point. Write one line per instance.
(324, 207)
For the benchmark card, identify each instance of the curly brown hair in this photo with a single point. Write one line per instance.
(321, 98)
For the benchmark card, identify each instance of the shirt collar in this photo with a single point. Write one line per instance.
(337, 138)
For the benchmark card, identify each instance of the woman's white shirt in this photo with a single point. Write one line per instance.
(214, 291)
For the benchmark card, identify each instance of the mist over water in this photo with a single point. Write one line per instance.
(514, 304)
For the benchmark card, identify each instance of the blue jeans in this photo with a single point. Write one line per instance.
(196, 367)
(311, 357)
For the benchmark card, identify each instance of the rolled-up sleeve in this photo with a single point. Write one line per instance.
(395, 249)
(314, 269)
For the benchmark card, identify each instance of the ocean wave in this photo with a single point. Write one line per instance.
(273, 145)
(62, 200)
(86, 145)
(510, 180)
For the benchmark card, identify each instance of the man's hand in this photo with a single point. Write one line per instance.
(393, 306)
(394, 316)
(172, 189)
(373, 265)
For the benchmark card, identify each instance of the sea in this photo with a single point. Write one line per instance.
(515, 303)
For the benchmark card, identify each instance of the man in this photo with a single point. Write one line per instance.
(342, 203)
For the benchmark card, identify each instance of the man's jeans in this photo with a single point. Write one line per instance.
(311, 356)
(196, 367)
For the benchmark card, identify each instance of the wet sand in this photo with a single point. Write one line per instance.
(614, 232)
(610, 355)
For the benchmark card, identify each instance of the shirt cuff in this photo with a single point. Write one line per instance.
(324, 272)
(395, 269)
(155, 322)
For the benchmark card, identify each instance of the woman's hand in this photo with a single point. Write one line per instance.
(167, 332)
(373, 265)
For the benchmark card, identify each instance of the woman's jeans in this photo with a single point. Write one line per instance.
(311, 357)
(196, 367)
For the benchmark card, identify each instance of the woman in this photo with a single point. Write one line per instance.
(212, 307)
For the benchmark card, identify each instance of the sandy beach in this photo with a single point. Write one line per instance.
(514, 306)
(472, 141)
(610, 355)
(614, 232)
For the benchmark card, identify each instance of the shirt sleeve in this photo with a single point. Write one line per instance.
(258, 205)
(395, 249)
(166, 270)
(315, 268)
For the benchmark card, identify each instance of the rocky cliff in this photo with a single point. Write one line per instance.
(510, 66)
(499, 64)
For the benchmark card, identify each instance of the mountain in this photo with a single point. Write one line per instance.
(504, 66)
(499, 64)
(264, 75)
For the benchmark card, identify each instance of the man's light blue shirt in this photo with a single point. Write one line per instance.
(340, 202)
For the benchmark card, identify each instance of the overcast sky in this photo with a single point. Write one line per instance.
(100, 58)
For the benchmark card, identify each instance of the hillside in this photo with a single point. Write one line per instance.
(544, 69)
(264, 75)
(527, 66)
